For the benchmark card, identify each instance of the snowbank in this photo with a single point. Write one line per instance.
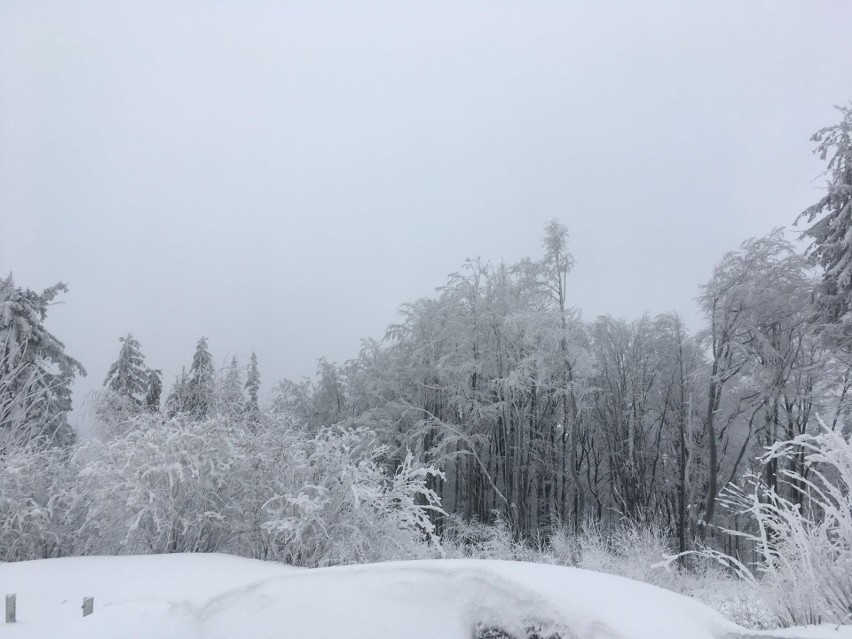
(218, 596)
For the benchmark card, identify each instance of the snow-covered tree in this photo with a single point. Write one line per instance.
(19, 403)
(36, 373)
(128, 377)
(253, 388)
(153, 390)
(556, 264)
(831, 234)
(200, 385)
(756, 305)
(130, 389)
(177, 399)
(231, 399)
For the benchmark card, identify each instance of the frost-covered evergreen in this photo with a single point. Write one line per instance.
(130, 388)
(153, 390)
(832, 233)
(35, 372)
(194, 392)
(177, 399)
(128, 376)
(232, 400)
(253, 388)
(200, 385)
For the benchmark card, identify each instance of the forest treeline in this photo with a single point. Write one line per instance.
(492, 400)
(543, 418)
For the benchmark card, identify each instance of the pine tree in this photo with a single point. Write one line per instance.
(128, 376)
(177, 400)
(200, 383)
(35, 372)
(232, 399)
(832, 234)
(253, 388)
(153, 390)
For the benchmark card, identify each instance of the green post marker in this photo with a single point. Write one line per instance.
(10, 608)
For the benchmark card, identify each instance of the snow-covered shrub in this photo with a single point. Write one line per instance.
(269, 489)
(340, 506)
(267, 450)
(627, 548)
(109, 415)
(804, 541)
(162, 486)
(644, 552)
(744, 607)
(36, 504)
(466, 538)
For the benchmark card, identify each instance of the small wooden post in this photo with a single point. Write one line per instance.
(88, 606)
(10, 608)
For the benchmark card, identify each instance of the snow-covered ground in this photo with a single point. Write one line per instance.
(219, 596)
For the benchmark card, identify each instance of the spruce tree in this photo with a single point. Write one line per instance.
(153, 390)
(253, 388)
(232, 399)
(200, 383)
(128, 376)
(177, 400)
(35, 372)
(831, 248)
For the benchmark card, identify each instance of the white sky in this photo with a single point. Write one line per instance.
(281, 177)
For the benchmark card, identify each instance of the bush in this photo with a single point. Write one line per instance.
(479, 540)
(37, 507)
(341, 507)
(627, 549)
(163, 487)
(181, 485)
(803, 541)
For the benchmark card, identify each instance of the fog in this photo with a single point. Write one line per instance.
(280, 177)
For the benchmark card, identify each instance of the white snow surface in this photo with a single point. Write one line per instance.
(219, 596)
(823, 631)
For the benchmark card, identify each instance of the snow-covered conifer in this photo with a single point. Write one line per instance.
(253, 387)
(232, 399)
(128, 376)
(200, 383)
(32, 358)
(153, 390)
(176, 401)
(832, 233)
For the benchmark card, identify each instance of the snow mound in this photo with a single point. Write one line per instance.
(224, 597)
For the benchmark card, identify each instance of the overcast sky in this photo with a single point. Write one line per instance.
(281, 177)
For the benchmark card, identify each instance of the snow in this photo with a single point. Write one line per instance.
(219, 596)
(823, 631)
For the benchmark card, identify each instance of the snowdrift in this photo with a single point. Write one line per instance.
(219, 596)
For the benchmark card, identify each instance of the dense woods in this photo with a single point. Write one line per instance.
(543, 419)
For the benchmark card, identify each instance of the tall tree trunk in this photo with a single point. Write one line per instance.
(713, 397)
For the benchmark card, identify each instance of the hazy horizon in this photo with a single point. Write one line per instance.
(280, 179)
